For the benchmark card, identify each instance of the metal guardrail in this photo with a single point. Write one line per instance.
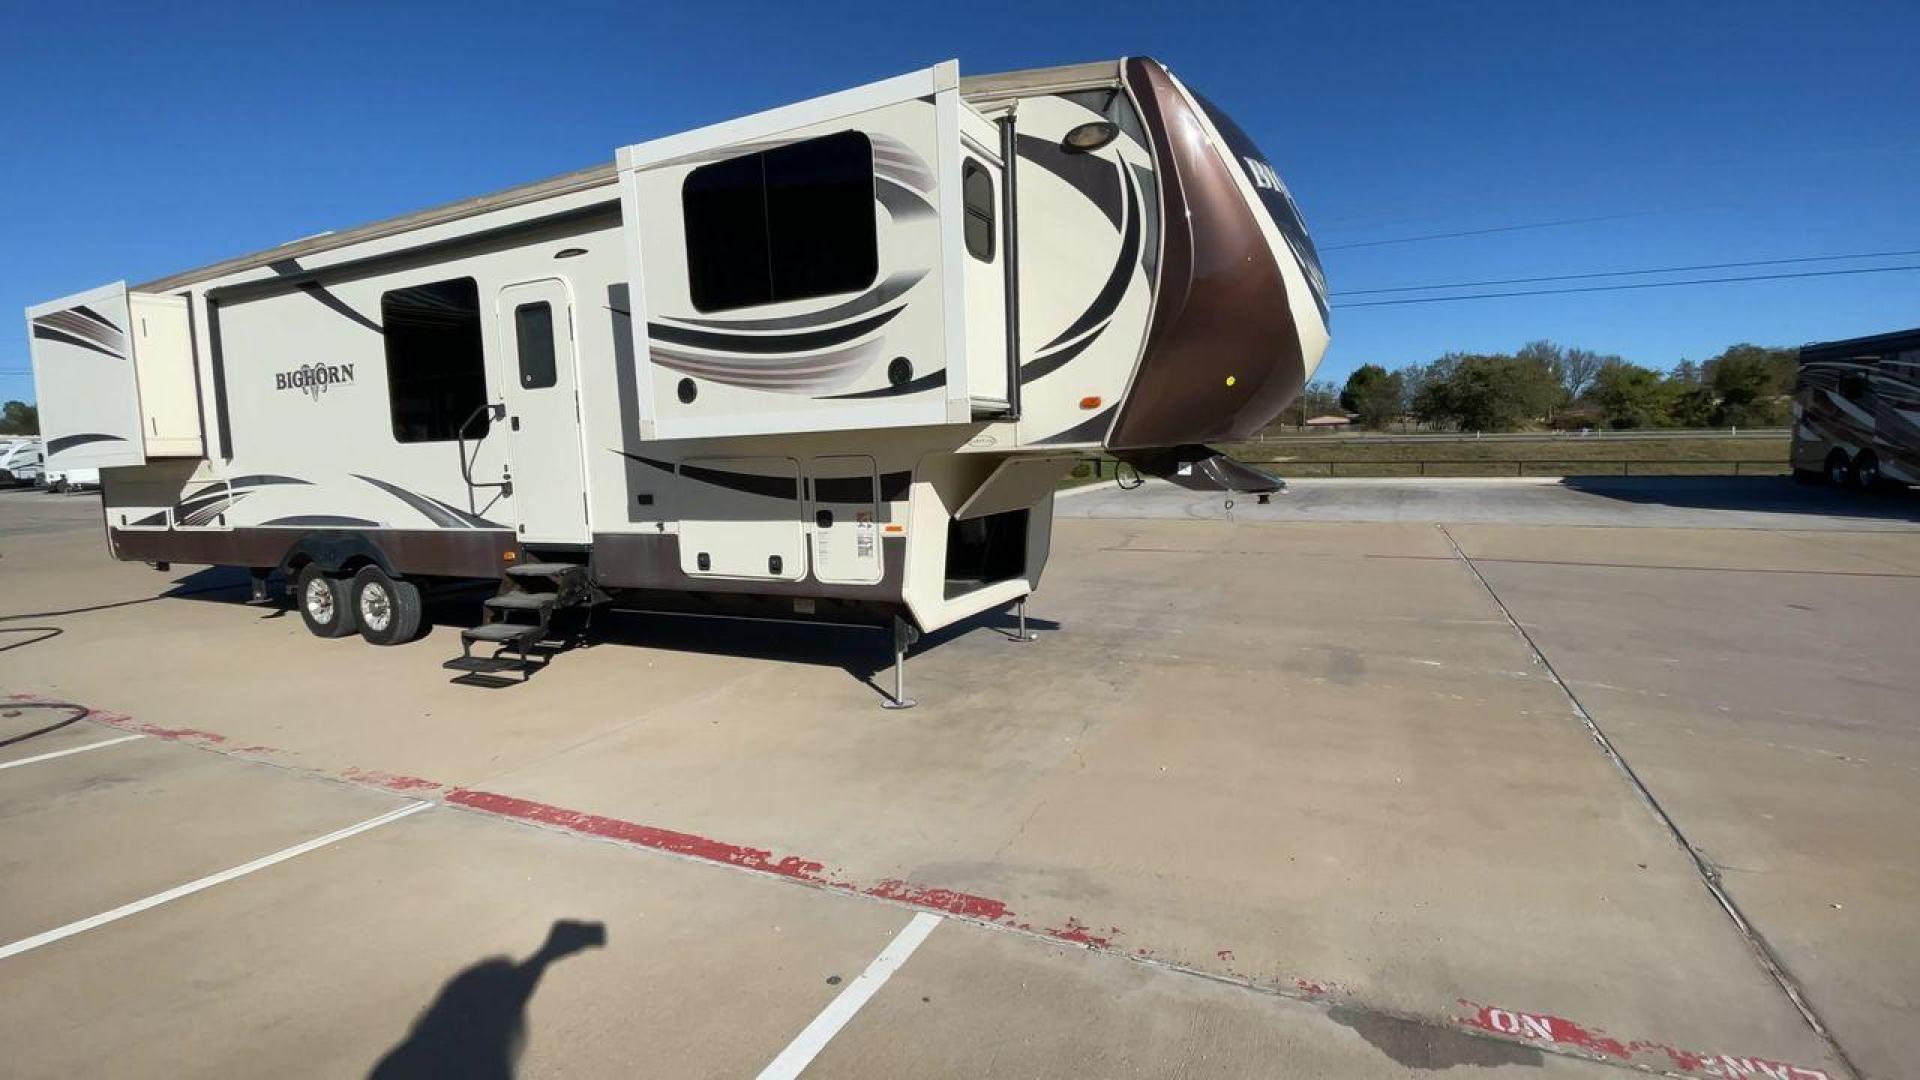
(1103, 467)
(1539, 467)
(1359, 438)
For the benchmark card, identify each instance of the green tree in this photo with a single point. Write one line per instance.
(1631, 396)
(1374, 394)
(19, 418)
(1752, 383)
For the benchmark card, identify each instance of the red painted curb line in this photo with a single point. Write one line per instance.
(1508, 1025)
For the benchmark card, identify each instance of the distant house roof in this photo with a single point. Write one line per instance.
(1330, 421)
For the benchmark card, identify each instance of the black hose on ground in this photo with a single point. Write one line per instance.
(11, 709)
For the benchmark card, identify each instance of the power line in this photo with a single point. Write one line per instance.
(1494, 229)
(1627, 273)
(1622, 288)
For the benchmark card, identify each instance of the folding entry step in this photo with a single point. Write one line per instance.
(518, 620)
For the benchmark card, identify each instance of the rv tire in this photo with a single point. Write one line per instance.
(1839, 469)
(324, 602)
(388, 611)
(1866, 471)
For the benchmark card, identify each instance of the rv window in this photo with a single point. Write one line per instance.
(790, 223)
(436, 373)
(533, 336)
(976, 189)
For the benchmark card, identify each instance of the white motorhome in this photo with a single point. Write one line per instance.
(826, 361)
(21, 461)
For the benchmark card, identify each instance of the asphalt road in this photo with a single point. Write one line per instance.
(1300, 798)
(1712, 502)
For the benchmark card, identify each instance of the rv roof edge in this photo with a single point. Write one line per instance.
(979, 88)
(564, 184)
(972, 88)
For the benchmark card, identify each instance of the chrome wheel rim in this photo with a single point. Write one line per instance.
(320, 601)
(376, 607)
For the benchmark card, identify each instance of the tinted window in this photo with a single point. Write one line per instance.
(436, 372)
(976, 190)
(790, 223)
(533, 341)
(1273, 195)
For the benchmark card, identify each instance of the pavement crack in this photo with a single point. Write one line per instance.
(1708, 874)
(1017, 833)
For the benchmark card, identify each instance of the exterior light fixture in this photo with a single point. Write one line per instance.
(1091, 136)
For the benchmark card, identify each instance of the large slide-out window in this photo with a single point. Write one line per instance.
(436, 370)
(790, 223)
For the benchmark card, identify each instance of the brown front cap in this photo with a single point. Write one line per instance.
(1221, 309)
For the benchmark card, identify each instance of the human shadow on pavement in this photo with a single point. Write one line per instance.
(477, 1025)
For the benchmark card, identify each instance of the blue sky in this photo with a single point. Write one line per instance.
(135, 143)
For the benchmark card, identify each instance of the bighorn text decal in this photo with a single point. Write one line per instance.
(313, 379)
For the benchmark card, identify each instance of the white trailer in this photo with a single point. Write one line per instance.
(826, 361)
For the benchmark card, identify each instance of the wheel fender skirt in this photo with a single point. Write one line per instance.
(1202, 468)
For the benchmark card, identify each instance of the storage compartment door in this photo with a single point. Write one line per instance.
(85, 381)
(845, 536)
(163, 364)
(741, 518)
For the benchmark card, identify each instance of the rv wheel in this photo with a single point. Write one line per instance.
(388, 611)
(1839, 470)
(1866, 472)
(323, 601)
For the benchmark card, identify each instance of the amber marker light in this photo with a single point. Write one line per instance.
(1090, 402)
(1231, 380)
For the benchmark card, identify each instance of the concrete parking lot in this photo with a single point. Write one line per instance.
(1366, 782)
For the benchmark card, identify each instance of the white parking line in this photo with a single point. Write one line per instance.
(191, 887)
(808, 1044)
(72, 750)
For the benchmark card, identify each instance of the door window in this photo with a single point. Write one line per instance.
(533, 336)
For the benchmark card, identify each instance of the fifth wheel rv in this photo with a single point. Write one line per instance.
(828, 361)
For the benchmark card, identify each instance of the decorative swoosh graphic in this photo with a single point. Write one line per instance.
(911, 386)
(893, 485)
(890, 289)
(215, 499)
(1089, 174)
(1092, 429)
(1046, 364)
(318, 519)
(87, 312)
(824, 371)
(432, 509)
(68, 442)
(69, 329)
(806, 341)
(902, 202)
(1110, 294)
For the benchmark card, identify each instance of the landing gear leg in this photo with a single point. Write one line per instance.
(1023, 636)
(258, 592)
(904, 635)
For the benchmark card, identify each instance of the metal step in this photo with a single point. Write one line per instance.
(482, 664)
(545, 569)
(504, 632)
(523, 601)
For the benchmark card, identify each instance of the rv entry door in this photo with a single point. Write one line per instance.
(539, 388)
